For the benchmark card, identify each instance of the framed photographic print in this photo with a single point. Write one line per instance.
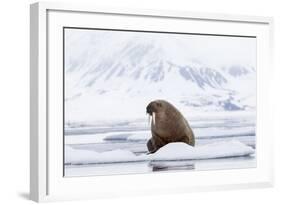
(127, 102)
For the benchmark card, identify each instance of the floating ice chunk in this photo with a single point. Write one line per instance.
(182, 151)
(219, 132)
(170, 152)
(128, 136)
(140, 136)
(76, 156)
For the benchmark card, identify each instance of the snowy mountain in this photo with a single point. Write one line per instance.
(124, 73)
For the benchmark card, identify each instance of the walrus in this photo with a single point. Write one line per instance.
(168, 125)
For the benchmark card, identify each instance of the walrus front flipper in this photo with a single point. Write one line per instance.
(150, 146)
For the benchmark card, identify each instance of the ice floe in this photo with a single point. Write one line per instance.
(170, 152)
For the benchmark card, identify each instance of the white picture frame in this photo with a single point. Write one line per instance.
(46, 173)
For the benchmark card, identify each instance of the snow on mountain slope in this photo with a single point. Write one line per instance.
(115, 76)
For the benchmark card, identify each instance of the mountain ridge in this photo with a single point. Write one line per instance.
(139, 70)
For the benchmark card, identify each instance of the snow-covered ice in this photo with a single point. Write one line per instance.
(170, 152)
(75, 156)
(221, 143)
(182, 151)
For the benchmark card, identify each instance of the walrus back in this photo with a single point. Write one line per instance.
(189, 135)
(182, 131)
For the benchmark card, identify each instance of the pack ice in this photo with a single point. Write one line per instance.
(171, 152)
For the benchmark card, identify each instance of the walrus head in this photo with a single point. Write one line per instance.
(155, 107)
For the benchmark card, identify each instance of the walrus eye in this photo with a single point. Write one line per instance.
(159, 104)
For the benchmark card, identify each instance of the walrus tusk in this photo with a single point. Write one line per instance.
(153, 118)
(149, 123)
